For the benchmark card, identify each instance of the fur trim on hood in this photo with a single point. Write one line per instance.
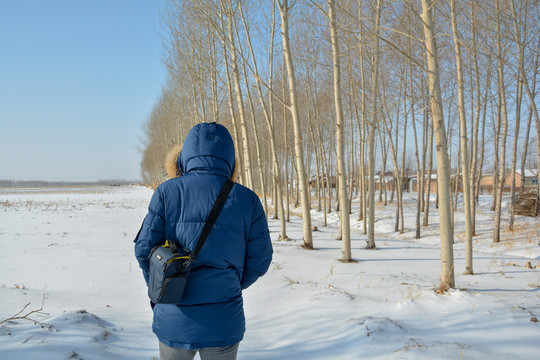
(171, 164)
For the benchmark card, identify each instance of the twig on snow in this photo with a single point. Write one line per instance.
(26, 316)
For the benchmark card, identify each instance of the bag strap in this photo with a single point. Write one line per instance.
(214, 213)
(174, 248)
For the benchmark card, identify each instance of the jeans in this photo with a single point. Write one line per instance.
(212, 353)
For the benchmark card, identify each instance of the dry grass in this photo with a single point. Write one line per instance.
(338, 290)
(522, 232)
(6, 204)
(443, 287)
(413, 292)
(445, 284)
(291, 281)
(332, 267)
(460, 237)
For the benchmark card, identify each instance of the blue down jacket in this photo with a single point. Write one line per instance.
(236, 253)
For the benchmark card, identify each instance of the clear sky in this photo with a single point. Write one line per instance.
(77, 80)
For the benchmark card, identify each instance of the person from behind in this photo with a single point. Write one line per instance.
(209, 318)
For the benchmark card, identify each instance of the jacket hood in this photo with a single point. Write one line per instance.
(208, 147)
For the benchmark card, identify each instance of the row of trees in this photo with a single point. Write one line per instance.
(310, 89)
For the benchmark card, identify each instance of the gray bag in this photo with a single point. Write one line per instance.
(169, 269)
(168, 274)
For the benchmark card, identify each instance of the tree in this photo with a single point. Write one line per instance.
(372, 128)
(443, 170)
(342, 176)
(502, 108)
(464, 145)
(284, 11)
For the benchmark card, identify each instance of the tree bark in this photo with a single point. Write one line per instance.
(340, 124)
(269, 117)
(464, 147)
(443, 171)
(239, 99)
(306, 206)
(419, 172)
(502, 105)
(372, 129)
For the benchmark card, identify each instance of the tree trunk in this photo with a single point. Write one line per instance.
(213, 59)
(429, 170)
(286, 179)
(419, 190)
(269, 116)
(306, 206)
(239, 101)
(372, 129)
(257, 142)
(464, 147)
(362, 211)
(519, 97)
(443, 178)
(239, 161)
(402, 175)
(340, 124)
(502, 104)
(478, 107)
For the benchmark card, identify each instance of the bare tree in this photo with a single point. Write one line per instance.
(463, 146)
(443, 170)
(372, 128)
(284, 11)
(341, 173)
(503, 109)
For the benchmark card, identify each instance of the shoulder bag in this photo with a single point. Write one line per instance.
(169, 269)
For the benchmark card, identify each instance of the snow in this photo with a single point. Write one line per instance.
(70, 251)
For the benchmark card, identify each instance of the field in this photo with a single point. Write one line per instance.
(68, 273)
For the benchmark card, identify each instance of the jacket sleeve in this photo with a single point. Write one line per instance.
(152, 232)
(258, 249)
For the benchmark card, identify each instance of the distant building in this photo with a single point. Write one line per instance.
(529, 180)
(413, 184)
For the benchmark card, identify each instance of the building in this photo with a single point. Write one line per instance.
(529, 180)
(413, 184)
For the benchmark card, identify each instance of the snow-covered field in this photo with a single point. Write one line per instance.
(69, 251)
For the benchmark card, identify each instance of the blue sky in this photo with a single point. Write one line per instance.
(77, 80)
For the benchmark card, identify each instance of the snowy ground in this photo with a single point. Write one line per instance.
(70, 252)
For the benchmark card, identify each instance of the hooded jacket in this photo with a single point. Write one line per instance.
(236, 253)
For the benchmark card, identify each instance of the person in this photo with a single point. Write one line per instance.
(209, 318)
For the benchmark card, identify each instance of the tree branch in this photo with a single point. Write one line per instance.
(26, 317)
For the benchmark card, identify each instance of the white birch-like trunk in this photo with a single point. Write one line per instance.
(427, 187)
(504, 111)
(340, 124)
(298, 145)
(417, 157)
(239, 159)
(269, 117)
(443, 171)
(240, 101)
(372, 128)
(478, 105)
(517, 119)
(464, 147)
